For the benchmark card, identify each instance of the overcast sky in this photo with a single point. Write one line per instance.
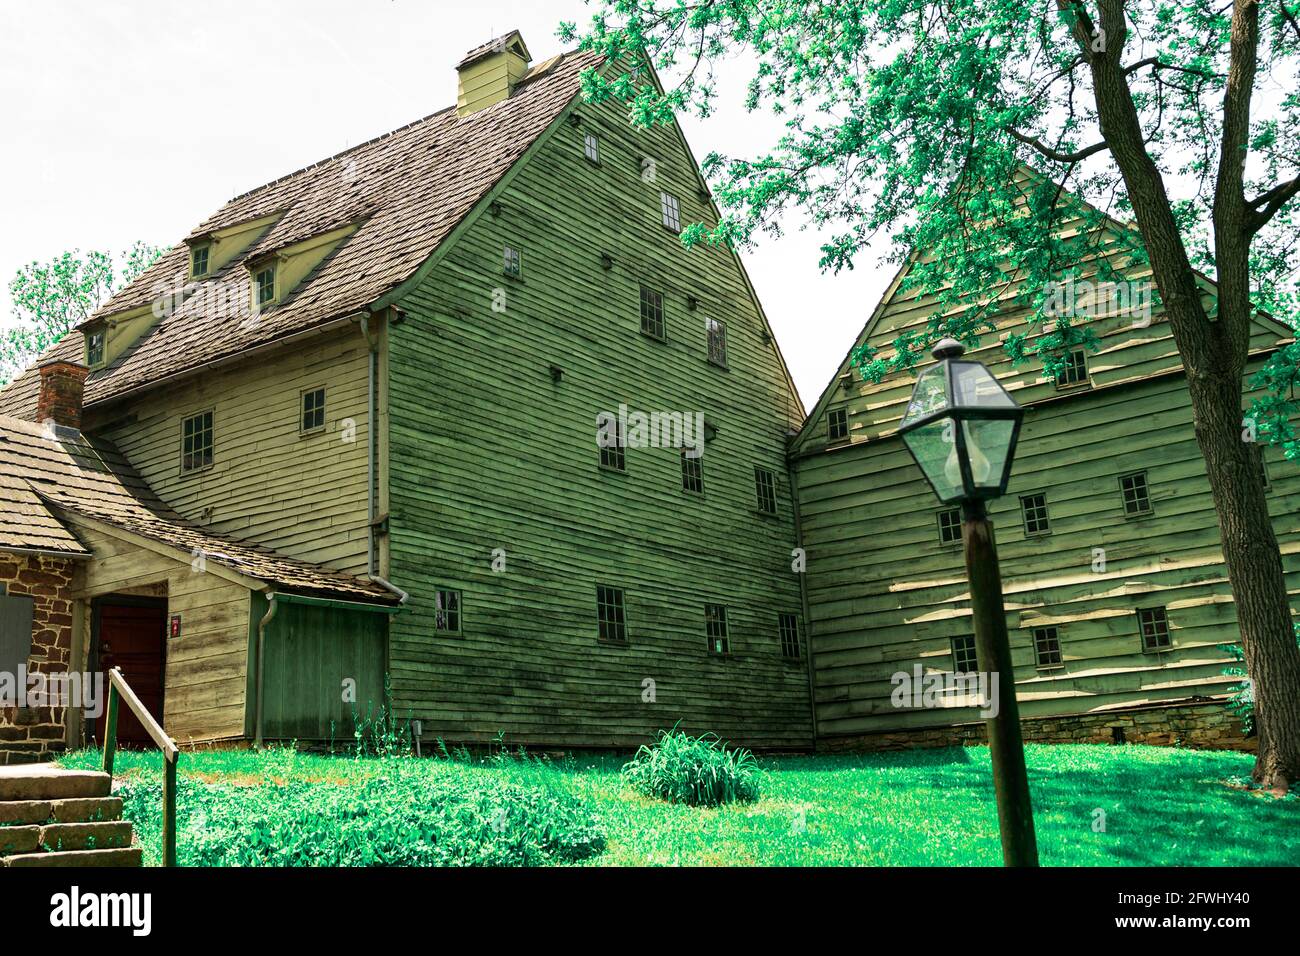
(136, 119)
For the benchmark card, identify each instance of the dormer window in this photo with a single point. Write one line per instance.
(199, 260)
(264, 284)
(95, 348)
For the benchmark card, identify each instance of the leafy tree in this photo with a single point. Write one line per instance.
(49, 298)
(919, 117)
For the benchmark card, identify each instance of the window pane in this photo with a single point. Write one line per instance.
(950, 526)
(963, 654)
(610, 614)
(692, 472)
(716, 331)
(652, 313)
(715, 627)
(838, 426)
(591, 147)
(1034, 511)
(1047, 647)
(791, 644)
(446, 605)
(765, 486)
(936, 454)
(672, 214)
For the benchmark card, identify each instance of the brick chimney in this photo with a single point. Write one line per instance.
(60, 396)
(488, 73)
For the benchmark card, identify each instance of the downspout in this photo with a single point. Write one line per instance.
(792, 475)
(261, 647)
(371, 477)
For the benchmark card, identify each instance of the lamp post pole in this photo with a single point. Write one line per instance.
(993, 650)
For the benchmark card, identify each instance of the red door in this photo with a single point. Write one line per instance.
(133, 638)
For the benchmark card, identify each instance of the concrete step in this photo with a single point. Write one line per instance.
(61, 837)
(47, 782)
(126, 856)
(19, 840)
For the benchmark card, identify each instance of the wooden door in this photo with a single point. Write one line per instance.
(133, 638)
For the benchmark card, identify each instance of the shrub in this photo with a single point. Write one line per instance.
(1242, 701)
(397, 820)
(699, 771)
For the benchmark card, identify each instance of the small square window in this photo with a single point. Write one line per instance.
(265, 282)
(95, 348)
(950, 526)
(1047, 647)
(838, 424)
(1034, 510)
(1137, 497)
(613, 454)
(313, 410)
(199, 261)
(715, 627)
(672, 211)
(196, 442)
(652, 314)
(693, 471)
(716, 332)
(1075, 371)
(591, 147)
(963, 654)
(511, 262)
(1154, 625)
(611, 617)
(446, 611)
(791, 642)
(765, 486)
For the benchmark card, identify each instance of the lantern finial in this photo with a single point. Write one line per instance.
(948, 348)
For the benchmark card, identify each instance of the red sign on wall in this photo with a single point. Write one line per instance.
(175, 629)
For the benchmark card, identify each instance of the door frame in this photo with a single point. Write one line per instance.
(92, 653)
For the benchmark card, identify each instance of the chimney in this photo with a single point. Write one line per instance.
(488, 73)
(60, 396)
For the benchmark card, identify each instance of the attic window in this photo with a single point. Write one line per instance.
(1075, 371)
(512, 262)
(591, 147)
(716, 333)
(838, 424)
(264, 285)
(196, 442)
(671, 210)
(199, 260)
(313, 410)
(95, 348)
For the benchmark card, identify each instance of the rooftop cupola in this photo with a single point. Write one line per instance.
(488, 73)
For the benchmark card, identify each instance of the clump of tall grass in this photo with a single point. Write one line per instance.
(698, 771)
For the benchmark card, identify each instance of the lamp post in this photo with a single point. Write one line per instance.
(961, 427)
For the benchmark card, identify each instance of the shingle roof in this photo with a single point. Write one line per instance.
(47, 471)
(408, 188)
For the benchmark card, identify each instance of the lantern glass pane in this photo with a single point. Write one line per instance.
(988, 445)
(930, 394)
(935, 451)
(975, 387)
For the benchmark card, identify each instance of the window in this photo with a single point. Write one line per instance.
(672, 211)
(510, 262)
(611, 618)
(1137, 499)
(1047, 647)
(838, 424)
(652, 314)
(16, 612)
(196, 442)
(264, 280)
(614, 455)
(1034, 511)
(199, 261)
(716, 331)
(950, 526)
(1075, 371)
(95, 348)
(313, 410)
(715, 627)
(591, 147)
(446, 611)
(693, 471)
(791, 645)
(1154, 624)
(963, 654)
(765, 485)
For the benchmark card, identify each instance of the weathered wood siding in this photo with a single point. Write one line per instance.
(301, 495)
(206, 670)
(488, 452)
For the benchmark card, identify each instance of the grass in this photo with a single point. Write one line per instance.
(1162, 806)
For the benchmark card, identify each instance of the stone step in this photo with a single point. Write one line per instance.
(46, 782)
(61, 837)
(72, 810)
(25, 811)
(19, 840)
(126, 856)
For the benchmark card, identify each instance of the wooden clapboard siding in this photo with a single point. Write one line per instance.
(206, 670)
(885, 595)
(487, 452)
(301, 495)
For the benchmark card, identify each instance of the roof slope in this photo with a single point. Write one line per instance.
(408, 189)
(48, 471)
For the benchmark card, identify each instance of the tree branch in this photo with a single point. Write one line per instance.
(1272, 201)
(1054, 154)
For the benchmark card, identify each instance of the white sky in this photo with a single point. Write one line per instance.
(136, 119)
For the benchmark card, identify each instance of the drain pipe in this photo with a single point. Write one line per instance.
(402, 596)
(261, 647)
(371, 477)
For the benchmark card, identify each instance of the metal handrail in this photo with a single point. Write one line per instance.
(119, 689)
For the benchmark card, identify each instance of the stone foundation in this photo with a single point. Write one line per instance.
(1200, 724)
(37, 733)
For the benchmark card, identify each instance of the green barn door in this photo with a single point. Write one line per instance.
(318, 660)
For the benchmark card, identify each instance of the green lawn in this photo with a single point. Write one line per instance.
(1163, 806)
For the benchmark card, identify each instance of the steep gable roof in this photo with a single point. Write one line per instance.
(407, 190)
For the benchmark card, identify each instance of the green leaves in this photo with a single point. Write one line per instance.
(697, 771)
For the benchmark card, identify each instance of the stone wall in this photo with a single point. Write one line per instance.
(1204, 724)
(37, 733)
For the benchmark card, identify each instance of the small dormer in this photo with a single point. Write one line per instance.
(274, 275)
(488, 73)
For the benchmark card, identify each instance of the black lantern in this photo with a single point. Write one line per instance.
(961, 427)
